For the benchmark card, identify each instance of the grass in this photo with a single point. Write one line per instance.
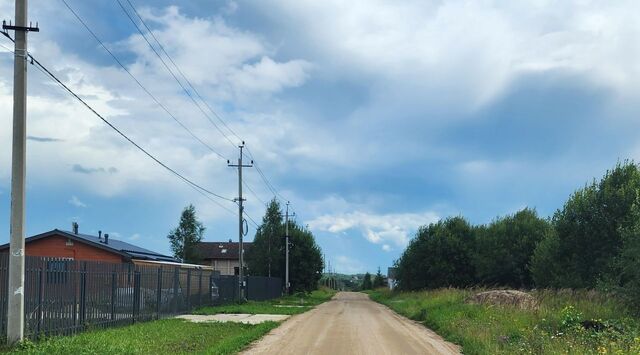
(566, 322)
(172, 336)
(301, 302)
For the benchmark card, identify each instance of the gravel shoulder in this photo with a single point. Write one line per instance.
(351, 324)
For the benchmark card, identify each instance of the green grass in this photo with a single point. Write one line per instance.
(554, 328)
(302, 302)
(169, 336)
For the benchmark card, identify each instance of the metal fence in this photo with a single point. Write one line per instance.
(65, 296)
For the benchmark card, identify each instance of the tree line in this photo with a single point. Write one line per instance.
(266, 257)
(267, 254)
(593, 241)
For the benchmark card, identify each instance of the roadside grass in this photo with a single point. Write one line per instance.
(173, 336)
(566, 322)
(293, 304)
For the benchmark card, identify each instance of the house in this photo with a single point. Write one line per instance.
(392, 280)
(72, 245)
(222, 256)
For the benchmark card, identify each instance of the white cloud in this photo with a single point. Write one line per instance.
(75, 201)
(471, 50)
(382, 229)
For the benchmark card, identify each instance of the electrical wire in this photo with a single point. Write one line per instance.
(162, 106)
(52, 76)
(184, 77)
(195, 102)
(181, 72)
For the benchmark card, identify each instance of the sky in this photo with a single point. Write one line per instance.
(372, 118)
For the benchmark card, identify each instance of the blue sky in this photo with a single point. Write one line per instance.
(371, 117)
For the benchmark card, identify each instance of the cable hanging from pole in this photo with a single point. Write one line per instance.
(52, 76)
(195, 102)
(153, 97)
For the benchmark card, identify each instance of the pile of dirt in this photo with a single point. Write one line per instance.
(512, 298)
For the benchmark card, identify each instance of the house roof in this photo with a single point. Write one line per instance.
(221, 250)
(126, 250)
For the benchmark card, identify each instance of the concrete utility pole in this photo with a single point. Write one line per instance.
(241, 222)
(286, 233)
(15, 303)
(287, 284)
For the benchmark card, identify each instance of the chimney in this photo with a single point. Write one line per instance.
(99, 234)
(106, 238)
(229, 240)
(74, 226)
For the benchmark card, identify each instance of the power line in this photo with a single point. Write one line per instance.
(181, 73)
(252, 220)
(195, 102)
(253, 192)
(52, 76)
(186, 79)
(84, 24)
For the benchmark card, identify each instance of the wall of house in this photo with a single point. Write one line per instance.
(61, 247)
(225, 266)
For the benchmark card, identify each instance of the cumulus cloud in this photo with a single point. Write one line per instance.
(382, 229)
(472, 50)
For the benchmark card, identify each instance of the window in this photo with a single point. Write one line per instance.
(223, 251)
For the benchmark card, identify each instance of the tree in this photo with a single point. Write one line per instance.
(625, 276)
(439, 256)
(589, 231)
(266, 255)
(378, 280)
(186, 236)
(366, 282)
(305, 259)
(504, 248)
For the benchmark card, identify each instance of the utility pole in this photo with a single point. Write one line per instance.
(286, 233)
(15, 303)
(286, 237)
(241, 221)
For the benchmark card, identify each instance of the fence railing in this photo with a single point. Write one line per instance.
(64, 296)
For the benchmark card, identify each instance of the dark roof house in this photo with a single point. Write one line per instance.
(78, 246)
(222, 256)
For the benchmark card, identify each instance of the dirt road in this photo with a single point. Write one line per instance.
(351, 324)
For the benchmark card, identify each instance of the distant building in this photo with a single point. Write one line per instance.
(72, 245)
(392, 281)
(222, 256)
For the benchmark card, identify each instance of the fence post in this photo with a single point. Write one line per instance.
(40, 298)
(114, 288)
(176, 281)
(159, 293)
(136, 294)
(200, 289)
(188, 290)
(83, 293)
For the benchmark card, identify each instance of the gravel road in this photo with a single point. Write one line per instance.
(351, 324)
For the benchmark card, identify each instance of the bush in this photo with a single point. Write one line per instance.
(504, 248)
(589, 231)
(439, 256)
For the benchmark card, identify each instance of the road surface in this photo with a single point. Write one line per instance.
(351, 324)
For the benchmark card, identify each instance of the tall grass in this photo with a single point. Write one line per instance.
(565, 322)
